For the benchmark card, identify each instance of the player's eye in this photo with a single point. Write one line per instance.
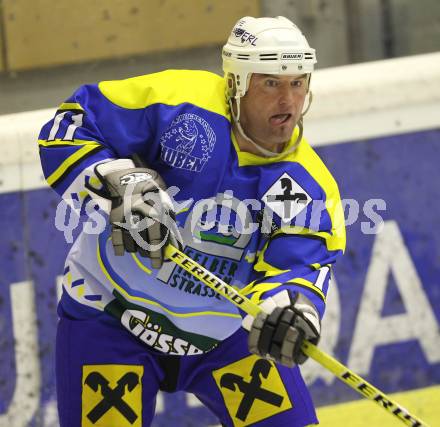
(297, 83)
(271, 82)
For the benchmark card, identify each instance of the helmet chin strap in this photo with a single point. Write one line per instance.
(264, 151)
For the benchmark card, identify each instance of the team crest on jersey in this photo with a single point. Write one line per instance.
(188, 143)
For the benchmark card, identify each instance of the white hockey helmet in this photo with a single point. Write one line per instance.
(265, 46)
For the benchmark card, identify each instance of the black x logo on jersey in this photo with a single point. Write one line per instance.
(287, 197)
(251, 390)
(112, 397)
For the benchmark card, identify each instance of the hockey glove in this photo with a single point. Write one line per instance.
(278, 331)
(141, 213)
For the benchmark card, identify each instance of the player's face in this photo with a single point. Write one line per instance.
(272, 107)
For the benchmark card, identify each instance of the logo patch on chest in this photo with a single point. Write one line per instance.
(188, 143)
(286, 198)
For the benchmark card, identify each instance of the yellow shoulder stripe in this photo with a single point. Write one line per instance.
(307, 157)
(172, 87)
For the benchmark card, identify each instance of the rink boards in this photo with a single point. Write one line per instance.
(383, 313)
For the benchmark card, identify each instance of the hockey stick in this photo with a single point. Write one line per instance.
(354, 381)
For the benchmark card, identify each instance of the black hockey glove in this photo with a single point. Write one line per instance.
(141, 214)
(277, 333)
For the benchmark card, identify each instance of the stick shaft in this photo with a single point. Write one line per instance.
(360, 385)
(211, 280)
(354, 381)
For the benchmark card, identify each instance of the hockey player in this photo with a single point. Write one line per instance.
(232, 181)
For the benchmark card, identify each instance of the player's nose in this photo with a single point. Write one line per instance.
(286, 97)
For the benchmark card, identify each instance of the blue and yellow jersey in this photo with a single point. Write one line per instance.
(261, 224)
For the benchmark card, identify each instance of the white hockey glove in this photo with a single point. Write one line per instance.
(141, 213)
(278, 331)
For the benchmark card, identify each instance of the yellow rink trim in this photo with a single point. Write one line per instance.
(423, 403)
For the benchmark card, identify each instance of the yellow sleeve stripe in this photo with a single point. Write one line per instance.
(262, 265)
(182, 211)
(247, 289)
(57, 142)
(303, 231)
(70, 106)
(307, 284)
(258, 290)
(70, 162)
(260, 287)
(269, 270)
(332, 243)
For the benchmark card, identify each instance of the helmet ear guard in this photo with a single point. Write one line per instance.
(237, 85)
(230, 86)
(309, 103)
